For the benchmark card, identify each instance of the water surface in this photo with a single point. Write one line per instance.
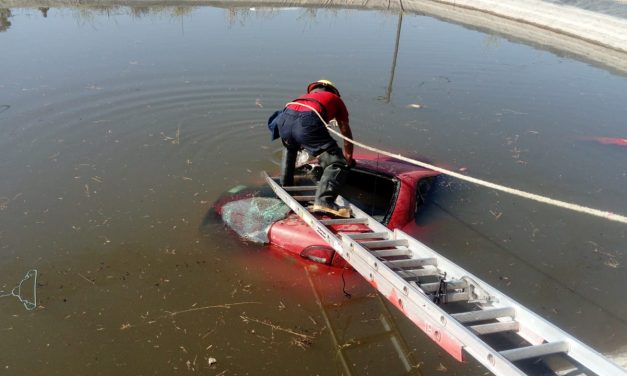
(119, 127)
(616, 8)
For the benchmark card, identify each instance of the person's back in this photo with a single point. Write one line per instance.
(328, 104)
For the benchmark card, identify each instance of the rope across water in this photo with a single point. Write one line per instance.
(513, 191)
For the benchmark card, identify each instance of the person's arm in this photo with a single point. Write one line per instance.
(345, 129)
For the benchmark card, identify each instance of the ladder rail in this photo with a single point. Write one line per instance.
(432, 327)
(450, 334)
(534, 328)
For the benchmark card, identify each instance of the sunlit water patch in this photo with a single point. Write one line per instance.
(617, 8)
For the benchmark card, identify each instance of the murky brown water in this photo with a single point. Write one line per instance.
(118, 129)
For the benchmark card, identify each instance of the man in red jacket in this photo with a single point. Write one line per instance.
(300, 127)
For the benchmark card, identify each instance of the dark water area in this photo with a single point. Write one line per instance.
(119, 127)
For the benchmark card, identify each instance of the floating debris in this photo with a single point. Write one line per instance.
(4, 202)
(610, 140)
(17, 291)
(303, 336)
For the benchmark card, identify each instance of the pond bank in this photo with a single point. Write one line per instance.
(598, 38)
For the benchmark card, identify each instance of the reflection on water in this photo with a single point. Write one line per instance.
(234, 15)
(120, 127)
(4, 19)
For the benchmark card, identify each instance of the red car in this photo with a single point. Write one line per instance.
(390, 191)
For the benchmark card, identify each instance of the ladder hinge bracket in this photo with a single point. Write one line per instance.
(476, 294)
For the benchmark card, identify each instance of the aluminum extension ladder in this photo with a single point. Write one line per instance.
(416, 280)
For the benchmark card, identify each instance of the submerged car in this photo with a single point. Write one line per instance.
(388, 190)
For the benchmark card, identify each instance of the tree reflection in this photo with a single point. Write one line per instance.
(241, 15)
(4, 19)
(182, 11)
(138, 12)
(234, 15)
(174, 11)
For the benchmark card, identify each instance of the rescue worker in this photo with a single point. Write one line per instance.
(300, 128)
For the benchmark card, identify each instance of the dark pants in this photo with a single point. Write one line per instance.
(335, 170)
(334, 175)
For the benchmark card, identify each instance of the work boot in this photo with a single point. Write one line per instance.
(332, 209)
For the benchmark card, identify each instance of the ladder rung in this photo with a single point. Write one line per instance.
(456, 297)
(304, 198)
(384, 243)
(486, 314)
(344, 221)
(495, 327)
(412, 263)
(417, 273)
(294, 188)
(450, 285)
(535, 351)
(394, 252)
(367, 235)
(426, 265)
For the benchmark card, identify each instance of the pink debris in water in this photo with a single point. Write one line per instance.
(610, 140)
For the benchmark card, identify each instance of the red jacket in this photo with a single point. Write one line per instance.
(334, 107)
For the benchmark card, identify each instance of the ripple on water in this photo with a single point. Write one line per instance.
(201, 119)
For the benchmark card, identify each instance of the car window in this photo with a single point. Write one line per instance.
(370, 192)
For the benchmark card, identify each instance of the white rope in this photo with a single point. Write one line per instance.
(516, 192)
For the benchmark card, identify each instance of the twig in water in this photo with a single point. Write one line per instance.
(86, 279)
(276, 327)
(226, 306)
